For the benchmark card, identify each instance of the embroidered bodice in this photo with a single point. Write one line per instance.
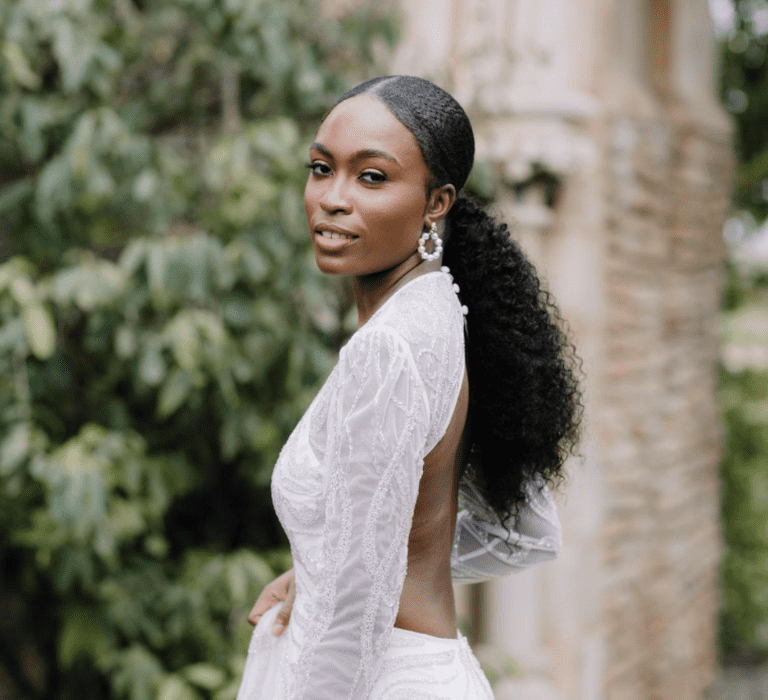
(346, 482)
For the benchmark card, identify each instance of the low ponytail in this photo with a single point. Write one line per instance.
(525, 406)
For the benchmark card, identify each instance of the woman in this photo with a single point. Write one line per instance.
(367, 485)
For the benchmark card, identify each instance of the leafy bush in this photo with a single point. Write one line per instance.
(162, 327)
(144, 403)
(744, 401)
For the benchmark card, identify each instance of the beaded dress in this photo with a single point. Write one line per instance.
(344, 489)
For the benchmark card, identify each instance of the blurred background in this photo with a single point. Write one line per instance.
(163, 326)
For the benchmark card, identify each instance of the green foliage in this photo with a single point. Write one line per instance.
(745, 505)
(162, 327)
(745, 93)
(744, 390)
(744, 401)
(143, 405)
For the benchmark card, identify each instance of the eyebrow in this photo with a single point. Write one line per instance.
(360, 155)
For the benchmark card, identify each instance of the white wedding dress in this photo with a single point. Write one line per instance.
(344, 489)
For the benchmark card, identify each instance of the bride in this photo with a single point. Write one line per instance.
(411, 423)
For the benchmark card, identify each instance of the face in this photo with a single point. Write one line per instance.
(366, 199)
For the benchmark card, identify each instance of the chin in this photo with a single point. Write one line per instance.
(331, 267)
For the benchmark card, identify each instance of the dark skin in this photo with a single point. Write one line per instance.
(367, 204)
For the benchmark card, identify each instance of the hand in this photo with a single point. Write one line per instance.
(282, 589)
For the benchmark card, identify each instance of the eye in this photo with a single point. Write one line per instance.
(318, 167)
(373, 177)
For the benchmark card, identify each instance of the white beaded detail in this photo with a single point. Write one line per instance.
(445, 269)
(438, 251)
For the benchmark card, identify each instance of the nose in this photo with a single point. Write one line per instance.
(335, 196)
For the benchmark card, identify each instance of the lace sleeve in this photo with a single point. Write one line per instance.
(378, 420)
(484, 548)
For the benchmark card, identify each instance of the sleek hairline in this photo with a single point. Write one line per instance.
(437, 121)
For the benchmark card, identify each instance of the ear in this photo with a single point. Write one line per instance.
(439, 202)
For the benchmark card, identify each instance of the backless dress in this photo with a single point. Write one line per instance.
(344, 489)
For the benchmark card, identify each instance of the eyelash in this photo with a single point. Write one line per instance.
(311, 167)
(379, 177)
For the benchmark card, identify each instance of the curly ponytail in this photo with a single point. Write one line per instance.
(525, 406)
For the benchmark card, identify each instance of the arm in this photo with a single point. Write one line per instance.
(483, 548)
(378, 423)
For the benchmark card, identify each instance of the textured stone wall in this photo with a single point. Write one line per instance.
(666, 192)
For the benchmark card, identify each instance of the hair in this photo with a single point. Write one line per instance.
(525, 406)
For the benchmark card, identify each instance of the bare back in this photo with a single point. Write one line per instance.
(426, 602)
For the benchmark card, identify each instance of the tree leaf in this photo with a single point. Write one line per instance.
(54, 189)
(175, 390)
(152, 367)
(22, 290)
(15, 448)
(205, 676)
(83, 633)
(20, 67)
(175, 688)
(41, 333)
(74, 51)
(137, 674)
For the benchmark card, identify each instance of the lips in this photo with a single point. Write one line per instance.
(329, 237)
(328, 230)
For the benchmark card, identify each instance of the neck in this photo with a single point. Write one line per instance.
(371, 291)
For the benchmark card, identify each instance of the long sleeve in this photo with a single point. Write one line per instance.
(378, 421)
(484, 548)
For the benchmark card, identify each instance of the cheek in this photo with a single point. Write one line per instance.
(407, 214)
(309, 199)
(395, 220)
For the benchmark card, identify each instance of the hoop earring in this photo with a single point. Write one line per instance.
(438, 251)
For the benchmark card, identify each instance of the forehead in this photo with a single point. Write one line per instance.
(364, 122)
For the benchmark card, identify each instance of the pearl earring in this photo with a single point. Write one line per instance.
(437, 252)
